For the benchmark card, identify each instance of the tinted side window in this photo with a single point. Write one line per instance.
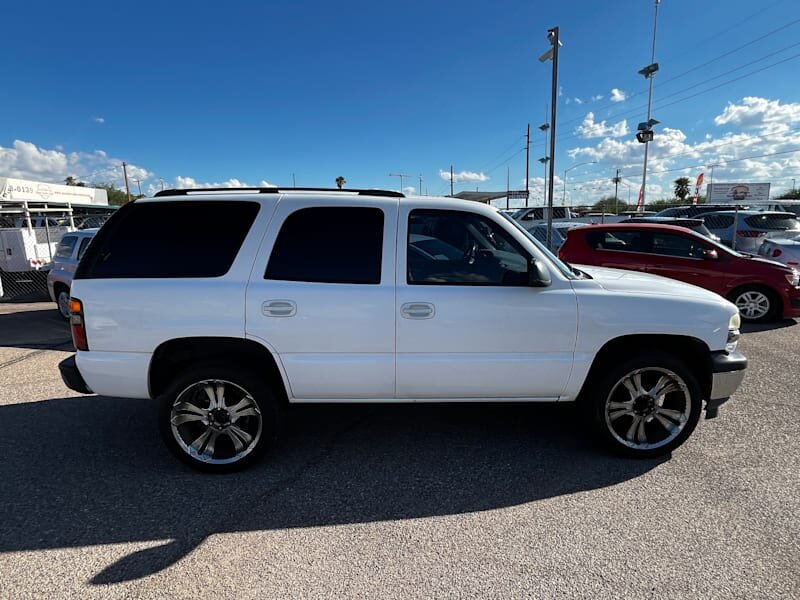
(718, 221)
(169, 239)
(627, 241)
(470, 250)
(66, 246)
(675, 245)
(329, 245)
(84, 244)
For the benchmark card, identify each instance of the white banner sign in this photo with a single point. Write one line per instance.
(737, 193)
(37, 191)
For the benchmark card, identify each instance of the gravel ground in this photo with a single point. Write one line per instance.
(394, 501)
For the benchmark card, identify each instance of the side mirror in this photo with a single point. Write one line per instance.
(538, 275)
(710, 254)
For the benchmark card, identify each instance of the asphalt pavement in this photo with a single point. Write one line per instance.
(478, 501)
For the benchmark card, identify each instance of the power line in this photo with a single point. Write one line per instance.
(695, 68)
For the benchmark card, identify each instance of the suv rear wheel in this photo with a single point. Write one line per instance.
(645, 407)
(219, 418)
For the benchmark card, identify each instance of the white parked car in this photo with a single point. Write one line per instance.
(783, 250)
(68, 254)
(228, 305)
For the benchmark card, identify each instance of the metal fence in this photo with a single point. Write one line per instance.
(23, 286)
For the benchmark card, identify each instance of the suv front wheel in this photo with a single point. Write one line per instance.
(219, 418)
(646, 406)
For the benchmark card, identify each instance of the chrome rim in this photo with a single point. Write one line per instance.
(753, 304)
(216, 421)
(648, 408)
(63, 304)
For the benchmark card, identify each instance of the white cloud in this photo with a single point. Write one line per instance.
(100, 120)
(25, 160)
(617, 95)
(578, 101)
(589, 128)
(597, 97)
(191, 182)
(409, 190)
(768, 116)
(463, 176)
(671, 154)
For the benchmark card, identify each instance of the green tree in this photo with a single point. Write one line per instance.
(340, 181)
(682, 188)
(789, 195)
(116, 196)
(70, 180)
(609, 205)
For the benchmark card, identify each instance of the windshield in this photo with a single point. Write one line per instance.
(557, 263)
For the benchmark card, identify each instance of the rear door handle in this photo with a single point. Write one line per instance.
(279, 308)
(417, 310)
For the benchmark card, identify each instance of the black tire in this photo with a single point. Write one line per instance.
(261, 418)
(62, 303)
(739, 298)
(615, 423)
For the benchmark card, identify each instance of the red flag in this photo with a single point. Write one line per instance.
(697, 187)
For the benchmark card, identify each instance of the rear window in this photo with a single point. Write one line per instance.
(329, 245)
(169, 239)
(66, 246)
(772, 222)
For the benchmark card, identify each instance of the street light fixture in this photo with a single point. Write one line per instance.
(400, 175)
(552, 54)
(567, 170)
(645, 135)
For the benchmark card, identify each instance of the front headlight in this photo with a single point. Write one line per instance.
(793, 278)
(733, 333)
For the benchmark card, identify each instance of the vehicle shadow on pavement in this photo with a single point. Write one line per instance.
(756, 327)
(92, 470)
(34, 329)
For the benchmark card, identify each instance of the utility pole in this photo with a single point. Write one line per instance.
(616, 181)
(162, 184)
(420, 184)
(554, 41)
(451, 181)
(508, 184)
(125, 175)
(527, 163)
(139, 185)
(294, 183)
(648, 72)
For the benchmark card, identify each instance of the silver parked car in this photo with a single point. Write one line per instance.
(68, 255)
(752, 227)
(783, 250)
(560, 229)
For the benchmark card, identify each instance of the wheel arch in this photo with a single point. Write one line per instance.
(694, 352)
(177, 354)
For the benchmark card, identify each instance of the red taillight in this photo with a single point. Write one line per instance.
(777, 252)
(77, 324)
(750, 234)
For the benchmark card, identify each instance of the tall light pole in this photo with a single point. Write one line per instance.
(400, 175)
(420, 184)
(552, 54)
(545, 127)
(710, 186)
(645, 134)
(527, 164)
(567, 170)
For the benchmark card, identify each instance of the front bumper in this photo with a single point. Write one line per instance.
(727, 373)
(72, 376)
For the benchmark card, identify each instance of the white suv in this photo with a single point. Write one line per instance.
(227, 305)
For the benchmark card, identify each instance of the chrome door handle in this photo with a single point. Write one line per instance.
(279, 308)
(417, 310)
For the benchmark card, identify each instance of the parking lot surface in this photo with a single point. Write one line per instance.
(503, 501)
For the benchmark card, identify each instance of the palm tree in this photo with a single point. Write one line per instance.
(682, 188)
(340, 181)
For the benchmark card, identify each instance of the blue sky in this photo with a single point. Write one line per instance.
(208, 92)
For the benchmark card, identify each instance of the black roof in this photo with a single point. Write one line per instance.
(275, 190)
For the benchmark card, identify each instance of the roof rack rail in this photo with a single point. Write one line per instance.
(277, 190)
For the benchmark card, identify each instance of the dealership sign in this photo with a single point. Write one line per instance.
(739, 193)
